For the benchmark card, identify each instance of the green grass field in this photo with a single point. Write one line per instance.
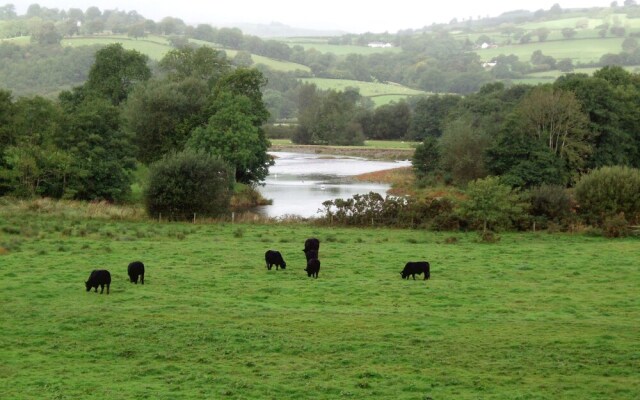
(534, 316)
(380, 93)
(321, 45)
(587, 50)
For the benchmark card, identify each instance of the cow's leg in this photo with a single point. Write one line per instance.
(414, 276)
(108, 287)
(101, 288)
(142, 279)
(96, 289)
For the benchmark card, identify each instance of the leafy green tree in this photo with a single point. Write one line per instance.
(388, 122)
(116, 71)
(555, 117)
(203, 63)
(429, 116)
(523, 161)
(462, 148)
(160, 115)
(609, 191)
(187, 183)
(426, 158)
(46, 34)
(233, 135)
(610, 100)
(490, 204)
(103, 153)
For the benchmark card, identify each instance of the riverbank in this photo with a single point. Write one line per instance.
(368, 152)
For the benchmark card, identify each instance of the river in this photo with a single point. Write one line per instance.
(299, 183)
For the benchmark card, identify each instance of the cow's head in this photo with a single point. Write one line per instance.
(284, 265)
(403, 274)
(88, 285)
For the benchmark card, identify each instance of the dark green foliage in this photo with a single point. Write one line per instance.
(116, 71)
(203, 63)
(103, 153)
(549, 203)
(233, 134)
(523, 161)
(387, 122)
(187, 183)
(426, 158)
(609, 191)
(490, 205)
(328, 118)
(429, 116)
(160, 115)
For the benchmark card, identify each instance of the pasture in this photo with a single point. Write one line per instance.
(534, 316)
(380, 93)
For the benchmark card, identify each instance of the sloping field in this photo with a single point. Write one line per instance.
(386, 91)
(324, 47)
(152, 48)
(587, 50)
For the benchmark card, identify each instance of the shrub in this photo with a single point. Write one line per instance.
(609, 191)
(490, 204)
(615, 226)
(183, 184)
(549, 204)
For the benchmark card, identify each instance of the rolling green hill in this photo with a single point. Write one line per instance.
(380, 93)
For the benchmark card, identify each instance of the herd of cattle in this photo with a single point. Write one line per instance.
(135, 270)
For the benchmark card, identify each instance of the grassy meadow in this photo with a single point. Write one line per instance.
(533, 316)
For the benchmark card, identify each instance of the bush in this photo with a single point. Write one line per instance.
(490, 204)
(609, 191)
(549, 204)
(615, 226)
(188, 183)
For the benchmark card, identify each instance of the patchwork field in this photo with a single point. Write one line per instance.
(534, 316)
(383, 92)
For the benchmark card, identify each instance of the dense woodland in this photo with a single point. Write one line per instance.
(120, 112)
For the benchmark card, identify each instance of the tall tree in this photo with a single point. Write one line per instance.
(232, 135)
(202, 63)
(116, 71)
(555, 117)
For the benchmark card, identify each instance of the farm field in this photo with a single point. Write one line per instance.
(367, 89)
(153, 48)
(586, 50)
(322, 46)
(534, 316)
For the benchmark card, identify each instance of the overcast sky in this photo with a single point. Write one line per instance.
(351, 16)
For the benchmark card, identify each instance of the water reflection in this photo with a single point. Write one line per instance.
(299, 183)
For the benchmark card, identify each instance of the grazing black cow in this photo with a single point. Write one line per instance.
(311, 248)
(413, 268)
(272, 257)
(99, 277)
(313, 267)
(135, 270)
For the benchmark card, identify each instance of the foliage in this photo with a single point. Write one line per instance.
(187, 183)
(387, 122)
(102, 152)
(429, 116)
(202, 63)
(490, 204)
(549, 203)
(328, 118)
(462, 148)
(426, 158)
(234, 135)
(116, 71)
(609, 191)
(160, 115)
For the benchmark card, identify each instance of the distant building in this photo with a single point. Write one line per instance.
(380, 44)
